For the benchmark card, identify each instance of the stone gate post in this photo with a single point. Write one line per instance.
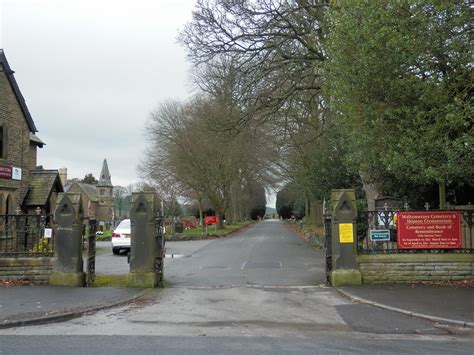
(67, 263)
(144, 244)
(345, 269)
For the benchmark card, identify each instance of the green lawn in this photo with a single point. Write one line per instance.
(200, 233)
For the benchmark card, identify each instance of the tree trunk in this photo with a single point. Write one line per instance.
(371, 192)
(442, 194)
(221, 222)
(307, 212)
(317, 212)
(201, 219)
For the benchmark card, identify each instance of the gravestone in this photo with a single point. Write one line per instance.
(68, 268)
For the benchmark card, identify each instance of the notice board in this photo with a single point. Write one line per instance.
(429, 230)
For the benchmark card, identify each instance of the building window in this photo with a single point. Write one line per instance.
(3, 141)
(9, 208)
(102, 192)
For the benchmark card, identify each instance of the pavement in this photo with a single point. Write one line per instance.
(40, 304)
(444, 304)
(29, 305)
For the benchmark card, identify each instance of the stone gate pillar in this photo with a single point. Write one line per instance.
(144, 244)
(67, 263)
(345, 269)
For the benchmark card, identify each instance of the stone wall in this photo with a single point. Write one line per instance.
(36, 270)
(18, 141)
(406, 268)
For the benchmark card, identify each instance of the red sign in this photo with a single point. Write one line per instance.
(211, 220)
(5, 172)
(429, 230)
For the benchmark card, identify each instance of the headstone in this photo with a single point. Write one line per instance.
(67, 264)
(388, 203)
(178, 227)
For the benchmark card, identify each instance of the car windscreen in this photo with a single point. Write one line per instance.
(125, 224)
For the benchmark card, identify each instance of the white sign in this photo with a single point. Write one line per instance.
(16, 173)
(48, 233)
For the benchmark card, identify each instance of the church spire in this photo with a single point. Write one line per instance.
(105, 179)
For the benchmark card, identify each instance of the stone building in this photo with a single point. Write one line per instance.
(22, 186)
(88, 196)
(105, 210)
(97, 199)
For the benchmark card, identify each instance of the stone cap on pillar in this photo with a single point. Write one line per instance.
(68, 204)
(344, 202)
(143, 202)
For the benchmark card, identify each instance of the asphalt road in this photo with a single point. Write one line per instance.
(268, 254)
(320, 344)
(258, 292)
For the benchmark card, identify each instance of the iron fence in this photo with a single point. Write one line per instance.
(91, 252)
(385, 222)
(328, 245)
(26, 235)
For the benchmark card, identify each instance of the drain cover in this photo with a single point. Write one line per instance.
(253, 265)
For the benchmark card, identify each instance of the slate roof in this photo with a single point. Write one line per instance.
(104, 178)
(42, 183)
(89, 190)
(16, 90)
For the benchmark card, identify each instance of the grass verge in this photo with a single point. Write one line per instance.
(199, 233)
(110, 281)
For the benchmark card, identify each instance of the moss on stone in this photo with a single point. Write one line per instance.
(344, 277)
(143, 280)
(110, 281)
(73, 279)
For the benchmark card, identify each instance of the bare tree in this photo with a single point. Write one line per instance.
(120, 193)
(277, 46)
(188, 155)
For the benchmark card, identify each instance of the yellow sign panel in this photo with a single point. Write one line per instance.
(346, 233)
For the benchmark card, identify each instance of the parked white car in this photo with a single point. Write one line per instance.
(121, 237)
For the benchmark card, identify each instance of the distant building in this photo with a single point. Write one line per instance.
(23, 186)
(105, 210)
(97, 200)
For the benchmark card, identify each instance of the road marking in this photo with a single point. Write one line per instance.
(218, 267)
(176, 256)
(255, 265)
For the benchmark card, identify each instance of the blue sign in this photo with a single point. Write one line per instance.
(380, 235)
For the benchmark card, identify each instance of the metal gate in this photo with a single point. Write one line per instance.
(328, 245)
(160, 248)
(91, 251)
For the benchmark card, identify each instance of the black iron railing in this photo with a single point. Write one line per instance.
(383, 224)
(26, 235)
(328, 245)
(91, 252)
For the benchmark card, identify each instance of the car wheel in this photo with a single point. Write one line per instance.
(116, 251)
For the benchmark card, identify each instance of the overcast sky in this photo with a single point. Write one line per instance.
(91, 71)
